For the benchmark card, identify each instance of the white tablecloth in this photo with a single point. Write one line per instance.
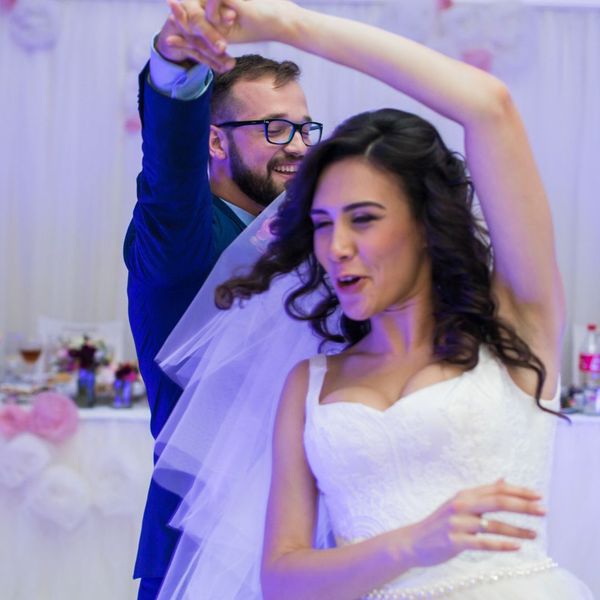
(71, 532)
(111, 458)
(574, 508)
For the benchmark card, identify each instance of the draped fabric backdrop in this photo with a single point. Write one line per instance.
(70, 143)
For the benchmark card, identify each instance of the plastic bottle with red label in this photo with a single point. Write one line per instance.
(589, 370)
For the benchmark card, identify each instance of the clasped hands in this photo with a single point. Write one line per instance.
(200, 30)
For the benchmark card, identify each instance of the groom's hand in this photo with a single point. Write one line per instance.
(188, 37)
(236, 21)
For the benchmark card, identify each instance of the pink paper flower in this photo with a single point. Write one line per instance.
(7, 5)
(53, 417)
(132, 124)
(13, 420)
(478, 57)
(444, 4)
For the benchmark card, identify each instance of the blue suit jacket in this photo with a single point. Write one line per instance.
(177, 233)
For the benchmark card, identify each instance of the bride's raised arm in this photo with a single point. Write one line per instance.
(506, 179)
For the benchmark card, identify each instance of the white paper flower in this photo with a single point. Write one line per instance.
(413, 18)
(500, 29)
(34, 24)
(509, 28)
(60, 496)
(22, 458)
(115, 484)
(463, 24)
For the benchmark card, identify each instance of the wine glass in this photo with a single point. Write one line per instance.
(30, 350)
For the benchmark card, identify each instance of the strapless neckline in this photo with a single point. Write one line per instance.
(400, 401)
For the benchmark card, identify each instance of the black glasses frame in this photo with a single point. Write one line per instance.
(265, 122)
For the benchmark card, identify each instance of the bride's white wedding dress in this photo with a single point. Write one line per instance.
(379, 470)
(376, 470)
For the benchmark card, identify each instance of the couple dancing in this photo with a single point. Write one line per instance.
(410, 450)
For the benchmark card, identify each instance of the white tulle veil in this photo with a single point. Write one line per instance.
(215, 449)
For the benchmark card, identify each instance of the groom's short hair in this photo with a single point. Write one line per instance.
(248, 67)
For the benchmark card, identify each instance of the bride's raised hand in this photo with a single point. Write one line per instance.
(218, 14)
(259, 20)
(459, 524)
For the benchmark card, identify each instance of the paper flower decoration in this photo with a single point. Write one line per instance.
(60, 496)
(7, 5)
(132, 124)
(479, 57)
(115, 484)
(53, 417)
(13, 420)
(34, 24)
(21, 459)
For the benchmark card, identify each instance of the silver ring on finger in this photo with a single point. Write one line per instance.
(484, 525)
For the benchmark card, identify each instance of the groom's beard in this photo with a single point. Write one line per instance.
(258, 187)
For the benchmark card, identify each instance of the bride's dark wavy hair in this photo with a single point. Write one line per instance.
(440, 195)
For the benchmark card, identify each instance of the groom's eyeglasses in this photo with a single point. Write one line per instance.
(282, 131)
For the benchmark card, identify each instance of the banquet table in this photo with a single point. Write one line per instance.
(72, 532)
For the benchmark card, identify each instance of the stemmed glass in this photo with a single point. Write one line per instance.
(30, 350)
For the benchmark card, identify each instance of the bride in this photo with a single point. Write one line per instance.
(422, 446)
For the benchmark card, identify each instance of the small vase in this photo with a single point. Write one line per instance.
(86, 388)
(122, 394)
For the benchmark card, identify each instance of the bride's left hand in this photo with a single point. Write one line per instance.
(457, 524)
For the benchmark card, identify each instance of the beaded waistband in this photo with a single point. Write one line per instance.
(442, 589)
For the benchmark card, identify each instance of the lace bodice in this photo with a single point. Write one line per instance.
(378, 470)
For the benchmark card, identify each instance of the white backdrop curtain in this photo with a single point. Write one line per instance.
(70, 151)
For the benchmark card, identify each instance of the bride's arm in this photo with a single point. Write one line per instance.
(526, 278)
(292, 569)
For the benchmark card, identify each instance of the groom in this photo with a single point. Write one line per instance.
(207, 172)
